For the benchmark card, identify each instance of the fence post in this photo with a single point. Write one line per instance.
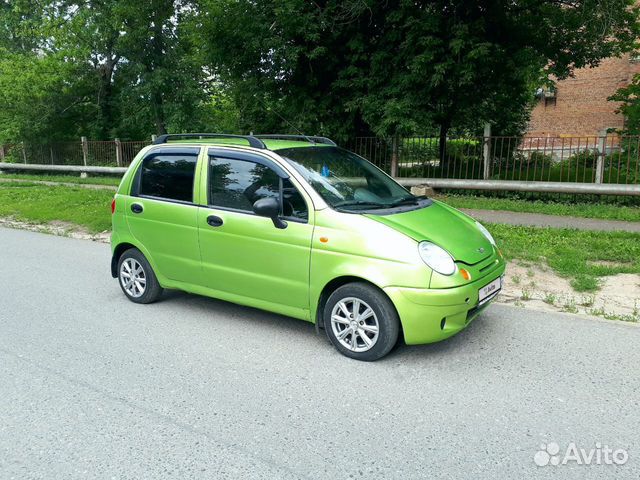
(394, 156)
(486, 152)
(153, 138)
(24, 152)
(601, 154)
(2, 152)
(118, 152)
(85, 150)
(51, 154)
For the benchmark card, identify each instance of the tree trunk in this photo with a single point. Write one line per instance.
(157, 106)
(155, 62)
(442, 146)
(105, 121)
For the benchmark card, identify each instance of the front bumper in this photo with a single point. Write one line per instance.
(431, 315)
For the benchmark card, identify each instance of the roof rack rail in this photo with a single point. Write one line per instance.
(308, 138)
(251, 139)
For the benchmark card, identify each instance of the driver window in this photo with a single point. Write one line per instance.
(237, 184)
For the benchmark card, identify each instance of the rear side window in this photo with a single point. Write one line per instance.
(169, 175)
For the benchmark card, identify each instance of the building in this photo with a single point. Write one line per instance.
(579, 105)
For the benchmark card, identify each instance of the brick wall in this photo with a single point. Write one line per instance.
(581, 106)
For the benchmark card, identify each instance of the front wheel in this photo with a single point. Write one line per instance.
(361, 321)
(136, 277)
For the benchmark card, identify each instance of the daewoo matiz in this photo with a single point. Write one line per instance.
(301, 227)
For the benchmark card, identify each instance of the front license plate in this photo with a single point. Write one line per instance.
(489, 291)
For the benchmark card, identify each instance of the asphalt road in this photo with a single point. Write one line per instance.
(93, 386)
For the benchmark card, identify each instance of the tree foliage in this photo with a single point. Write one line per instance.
(629, 96)
(99, 68)
(125, 68)
(361, 66)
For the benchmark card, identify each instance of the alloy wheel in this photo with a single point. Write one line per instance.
(133, 277)
(355, 324)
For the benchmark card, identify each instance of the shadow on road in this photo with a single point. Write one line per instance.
(297, 331)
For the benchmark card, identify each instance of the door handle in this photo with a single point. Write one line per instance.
(136, 208)
(214, 221)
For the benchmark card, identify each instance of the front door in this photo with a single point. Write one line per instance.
(161, 213)
(244, 255)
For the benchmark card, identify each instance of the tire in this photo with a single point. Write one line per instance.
(374, 309)
(146, 289)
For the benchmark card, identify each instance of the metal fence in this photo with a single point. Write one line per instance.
(608, 159)
(112, 153)
(611, 159)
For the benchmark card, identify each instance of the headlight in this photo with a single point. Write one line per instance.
(486, 233)
(437, 258)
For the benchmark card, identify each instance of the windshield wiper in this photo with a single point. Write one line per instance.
(349, 203)
(405, 201)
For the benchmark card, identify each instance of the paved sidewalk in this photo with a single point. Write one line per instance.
(555, 221)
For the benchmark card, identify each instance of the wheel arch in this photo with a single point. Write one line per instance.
(338, 282)
(117, 253)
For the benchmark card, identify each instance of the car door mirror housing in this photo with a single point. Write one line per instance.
(269, 207)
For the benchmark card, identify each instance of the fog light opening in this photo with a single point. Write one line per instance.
(443, 322)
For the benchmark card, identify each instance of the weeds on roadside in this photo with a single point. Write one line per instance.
(587, 301)
(570, 306)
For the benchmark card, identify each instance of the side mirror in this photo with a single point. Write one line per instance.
(269, 207)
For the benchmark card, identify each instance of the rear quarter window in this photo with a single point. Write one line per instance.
(168, 175)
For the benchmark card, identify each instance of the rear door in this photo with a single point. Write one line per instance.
(161, 212)
(246, 255)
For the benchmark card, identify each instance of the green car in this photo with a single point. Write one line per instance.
(298, 226)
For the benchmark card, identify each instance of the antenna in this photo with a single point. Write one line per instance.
(309, 139)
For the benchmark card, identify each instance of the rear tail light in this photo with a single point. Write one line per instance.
(113, 206)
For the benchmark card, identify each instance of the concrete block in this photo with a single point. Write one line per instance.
(423, 190)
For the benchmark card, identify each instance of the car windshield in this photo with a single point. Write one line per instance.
(345, 180)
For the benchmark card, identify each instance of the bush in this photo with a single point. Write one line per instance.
(585, 159)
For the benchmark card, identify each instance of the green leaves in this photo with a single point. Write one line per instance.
(354, 67)
(629, 97)
(106, 68)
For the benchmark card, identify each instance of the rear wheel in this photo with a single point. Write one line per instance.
(361, 321)
(136, 277)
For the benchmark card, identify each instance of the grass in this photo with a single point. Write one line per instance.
(581, 256)
(584, 210)
(550, 298)
(38, 203)
(115, 181)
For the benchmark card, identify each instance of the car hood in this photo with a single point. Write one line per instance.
(446, 227)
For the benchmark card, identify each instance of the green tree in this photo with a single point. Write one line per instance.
(113, 68)
(403, 67)
(629, 96)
